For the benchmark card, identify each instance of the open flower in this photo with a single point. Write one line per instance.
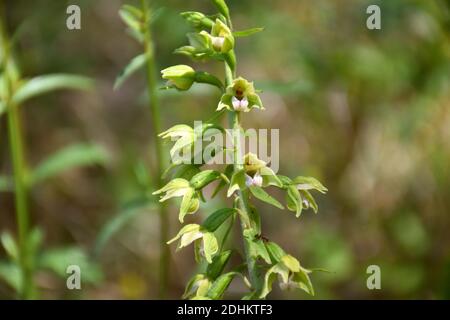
(221, 37)
(184, 136)
(291, 275)
(257, 173)
(256, 180)
(180, 77)
(240, 96)
(195, 233)
(180, 188)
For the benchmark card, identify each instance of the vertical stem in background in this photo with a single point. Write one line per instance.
(235, 122)
(164, 262)
(19, 168)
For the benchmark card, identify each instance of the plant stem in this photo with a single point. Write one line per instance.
(235, 121)
(26, 290)
(164, 260)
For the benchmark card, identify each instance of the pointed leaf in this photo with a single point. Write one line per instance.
(308, 183)
(216, 219)
(68, 158)
(10, 245)
(135, 64)
(259, 193)
(57, 260)
(10, 273)
(217, 289)
(121, 219)
(132, 17)
(203, 178)
(44, 84)
(218, 264)
(247, 32)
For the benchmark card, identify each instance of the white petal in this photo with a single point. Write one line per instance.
(248, 180)
(244, 103)
(236, 103)
(217, 42)
(257, 180)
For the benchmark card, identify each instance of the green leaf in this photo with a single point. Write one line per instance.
(156, 14)
(34, 241)
(255, 219)
(68, 158)
(121, 219)
(210, 246)
(308, 183)
(216, 219)
(247, 32)
(218, 264)
(132, 17)
(217, 289)
(198, 20)
(259, 193)
(47, 83)
(203, 178)
(187, 171)
(222, 7)
(205, 77)
(10, 273)
(10, 246)
(135, 64)
(275, 251)
(57, 260)
(257, 248)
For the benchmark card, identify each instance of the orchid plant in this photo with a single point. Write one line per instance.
(246, 179)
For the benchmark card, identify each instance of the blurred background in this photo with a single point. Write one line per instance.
(367, 112)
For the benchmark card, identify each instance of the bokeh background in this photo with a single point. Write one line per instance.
(366, 112)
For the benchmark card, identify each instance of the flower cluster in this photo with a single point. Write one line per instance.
(246, 180)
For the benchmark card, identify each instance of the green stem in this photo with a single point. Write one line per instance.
(164, 260)
(19, 173)
(235, 122)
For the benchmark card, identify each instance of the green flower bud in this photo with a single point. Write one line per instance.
(198, 20)
(180, 77)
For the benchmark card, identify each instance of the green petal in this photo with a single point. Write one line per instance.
(225, 102)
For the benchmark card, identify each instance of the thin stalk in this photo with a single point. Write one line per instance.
(26, 290)
(164, 259)
(235, 122)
